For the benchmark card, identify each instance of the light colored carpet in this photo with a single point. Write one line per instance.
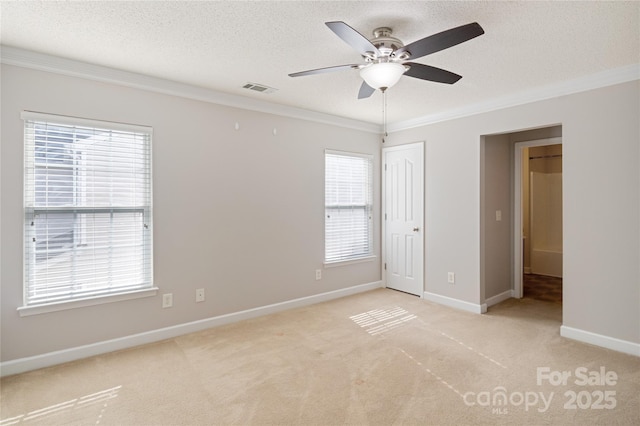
(377, 358)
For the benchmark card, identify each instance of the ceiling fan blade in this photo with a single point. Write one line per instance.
(323, 70)
(352, 37)
(426, 72)
(365, 91)
(440, 41)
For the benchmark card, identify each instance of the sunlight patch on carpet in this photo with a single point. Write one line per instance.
(380, 321)
(98, 401)
(434, 375)
(473, 350)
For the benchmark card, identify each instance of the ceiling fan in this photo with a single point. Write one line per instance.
(387, 58)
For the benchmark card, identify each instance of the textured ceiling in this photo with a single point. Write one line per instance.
(222, 45)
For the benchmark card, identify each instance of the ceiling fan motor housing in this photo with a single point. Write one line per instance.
(386, 44)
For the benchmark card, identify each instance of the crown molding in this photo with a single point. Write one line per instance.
(582, 84)
(43, 62)
(39, 61)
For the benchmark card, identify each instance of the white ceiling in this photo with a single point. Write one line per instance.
(222, 45)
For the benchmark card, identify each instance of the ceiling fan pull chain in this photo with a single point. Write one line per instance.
(384, 115)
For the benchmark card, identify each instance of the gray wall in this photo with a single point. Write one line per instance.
(496, 194)
(601, 210)
(240, 213)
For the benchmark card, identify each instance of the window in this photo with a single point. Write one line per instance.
(348, 206)
(87, 204)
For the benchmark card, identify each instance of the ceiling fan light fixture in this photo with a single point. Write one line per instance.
(382, 75)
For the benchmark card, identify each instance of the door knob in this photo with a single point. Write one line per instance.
(416, 229)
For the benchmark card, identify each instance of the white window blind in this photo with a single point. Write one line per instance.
(87, 209)
(348, 206)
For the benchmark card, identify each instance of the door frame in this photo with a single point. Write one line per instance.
(517, 209)
(383, 205)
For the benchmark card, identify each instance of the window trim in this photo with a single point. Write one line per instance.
(25, 311)
(370, 255)
(353, 261)
(71, 120)
(29, 210)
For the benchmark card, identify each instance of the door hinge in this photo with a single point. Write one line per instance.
(385, 266)
(385, 167)
(385, 216)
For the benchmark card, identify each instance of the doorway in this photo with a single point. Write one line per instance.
(403, 218)
(501, 209)
(537, 227)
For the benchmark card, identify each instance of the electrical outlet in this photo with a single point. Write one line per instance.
(167, 300)
(498, 215)
(200, 295)
(451, 277)
(318, 274)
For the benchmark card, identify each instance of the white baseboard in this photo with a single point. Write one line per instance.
(456, 303)
(612, 343)
(494, 300)
(72, 354)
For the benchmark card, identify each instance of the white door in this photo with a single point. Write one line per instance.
(403, 191)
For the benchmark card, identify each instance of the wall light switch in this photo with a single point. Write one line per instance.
(200, 295)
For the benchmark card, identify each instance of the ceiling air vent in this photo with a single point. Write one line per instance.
(259, 88)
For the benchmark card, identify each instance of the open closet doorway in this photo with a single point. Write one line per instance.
(538, 219)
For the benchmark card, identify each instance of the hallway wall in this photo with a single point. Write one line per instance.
(601, 224)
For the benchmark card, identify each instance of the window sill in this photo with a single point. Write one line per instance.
(349, 262)
(25, 311)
